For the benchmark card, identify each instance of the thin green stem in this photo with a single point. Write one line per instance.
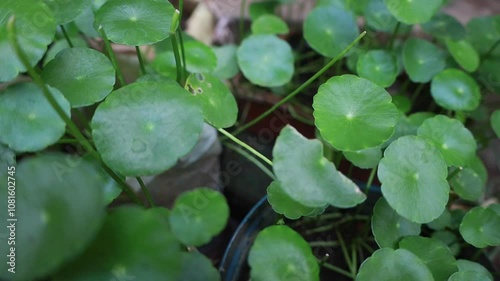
(242, 18)
(370, 179)
(338, 159)
(178, 62)
(297, 116)
(246, 146)
(82, 119)
(250, 158)
(354, 262)
(141, 59)
(324, 228)
(454, 173)
(490, 51)
(112, 56)
(328, 216)
(323, 243)
(66, 36)
(366, 246)
(338, 270)
(418, 90)
(300, 88)
(183, 52)
(66, 141)
(393, 37)
(145, 190)
(344, 250)
(12, 35)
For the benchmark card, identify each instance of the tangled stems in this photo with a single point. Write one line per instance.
(246, 146)
(301, 87)
(12, 35)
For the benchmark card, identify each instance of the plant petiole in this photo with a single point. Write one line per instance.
(141, 59)
(370, 179)
(250, 158)
(66, 36)
(393, 37)
(454, 173)
(178, 62)
(323, 243)
(246, 146)
(145, 190)
(112, 56)
(301, 87)
(338, 270)
(343, 246)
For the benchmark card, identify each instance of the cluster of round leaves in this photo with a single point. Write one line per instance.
(63, 197)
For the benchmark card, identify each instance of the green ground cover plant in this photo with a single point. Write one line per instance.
(400, 107)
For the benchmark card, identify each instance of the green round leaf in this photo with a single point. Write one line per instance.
(330, 29)
(489, 74)
(456, 218)
(483, 33)
(133, 244)
(444, 26)
(450, 240)
(393, 265)
(441, 222)
(378, 66)
(266, 60)
(279, 253)
(464, 54)
(144, 128)
(258, 9)
(353, 114)
(199, 57)
(35, 27)
(364, 159)
(198, 215)
(60, 45)
(422, 60)
(59, 207)
(434, 253)
(7, 158)
(204, 270)
(27, 120)
(455, 142)
(86, 84)
(468, 185)
(412, 12)
(66, 11)
(135, 22)
(109, 187)
(283, 204)
(379, 18)
(307, 177)
(455, 90)
(402, 102)
(467, 265)
(468, 276)
(413, 175)
(164, 64)
(219, 105)
(388, 227)
(227, 62)
(480, 227)
(477, 165)
(269, 24)
(495, 122)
